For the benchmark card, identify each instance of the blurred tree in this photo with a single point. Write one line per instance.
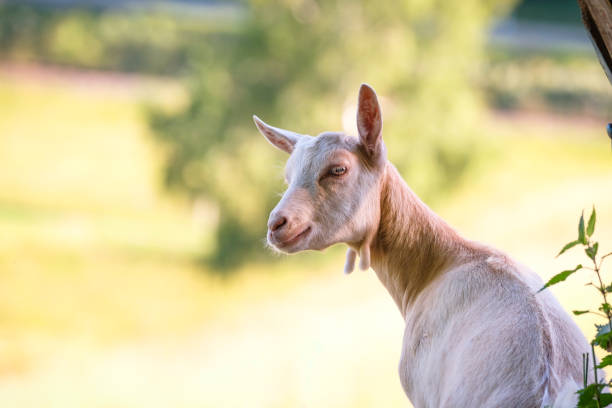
(298, 64)
(143, 39)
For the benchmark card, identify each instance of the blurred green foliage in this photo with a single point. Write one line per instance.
(295, 63)
(146, 40)
(551, 11)
(567, 83)
(298, 64)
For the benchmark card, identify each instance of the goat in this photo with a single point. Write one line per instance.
(476, 333)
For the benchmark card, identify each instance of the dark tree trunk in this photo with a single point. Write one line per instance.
(597, 18)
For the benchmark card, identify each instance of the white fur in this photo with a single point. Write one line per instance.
(349, 265)
(477, 334)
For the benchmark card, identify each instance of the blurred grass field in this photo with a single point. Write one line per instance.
(103, 302)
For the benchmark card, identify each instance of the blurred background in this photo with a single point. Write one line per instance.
(134, 188)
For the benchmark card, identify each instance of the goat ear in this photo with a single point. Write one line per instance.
(284, 140)
(369, 120)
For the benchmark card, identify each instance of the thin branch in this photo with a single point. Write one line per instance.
(602, 259)
(598, 289)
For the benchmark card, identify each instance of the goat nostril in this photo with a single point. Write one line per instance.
(278, 223)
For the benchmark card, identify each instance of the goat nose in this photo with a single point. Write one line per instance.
(277, 222)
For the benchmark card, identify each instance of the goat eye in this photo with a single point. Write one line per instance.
(338, 170)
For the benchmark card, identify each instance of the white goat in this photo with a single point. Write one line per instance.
(477, 335)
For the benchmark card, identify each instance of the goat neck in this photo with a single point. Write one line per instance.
(412, 245)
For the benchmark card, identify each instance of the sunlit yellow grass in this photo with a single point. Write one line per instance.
(88, 247)
(103, 303)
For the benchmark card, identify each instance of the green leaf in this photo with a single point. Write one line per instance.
(592, 251)
(588, 398)
(560, 277)
(605, 307)
(587, 395)
(605, 399)
(591, 225)
(595, 248)
(568, 246)
(581, 235)
(606, 361)
(604, 336)
(579, 312)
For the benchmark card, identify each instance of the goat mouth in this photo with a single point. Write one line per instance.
(292, 241)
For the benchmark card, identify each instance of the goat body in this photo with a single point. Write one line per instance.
(477, 334)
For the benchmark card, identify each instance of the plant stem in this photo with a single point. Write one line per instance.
(602, 289)
(596, 380)
(585, 368)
